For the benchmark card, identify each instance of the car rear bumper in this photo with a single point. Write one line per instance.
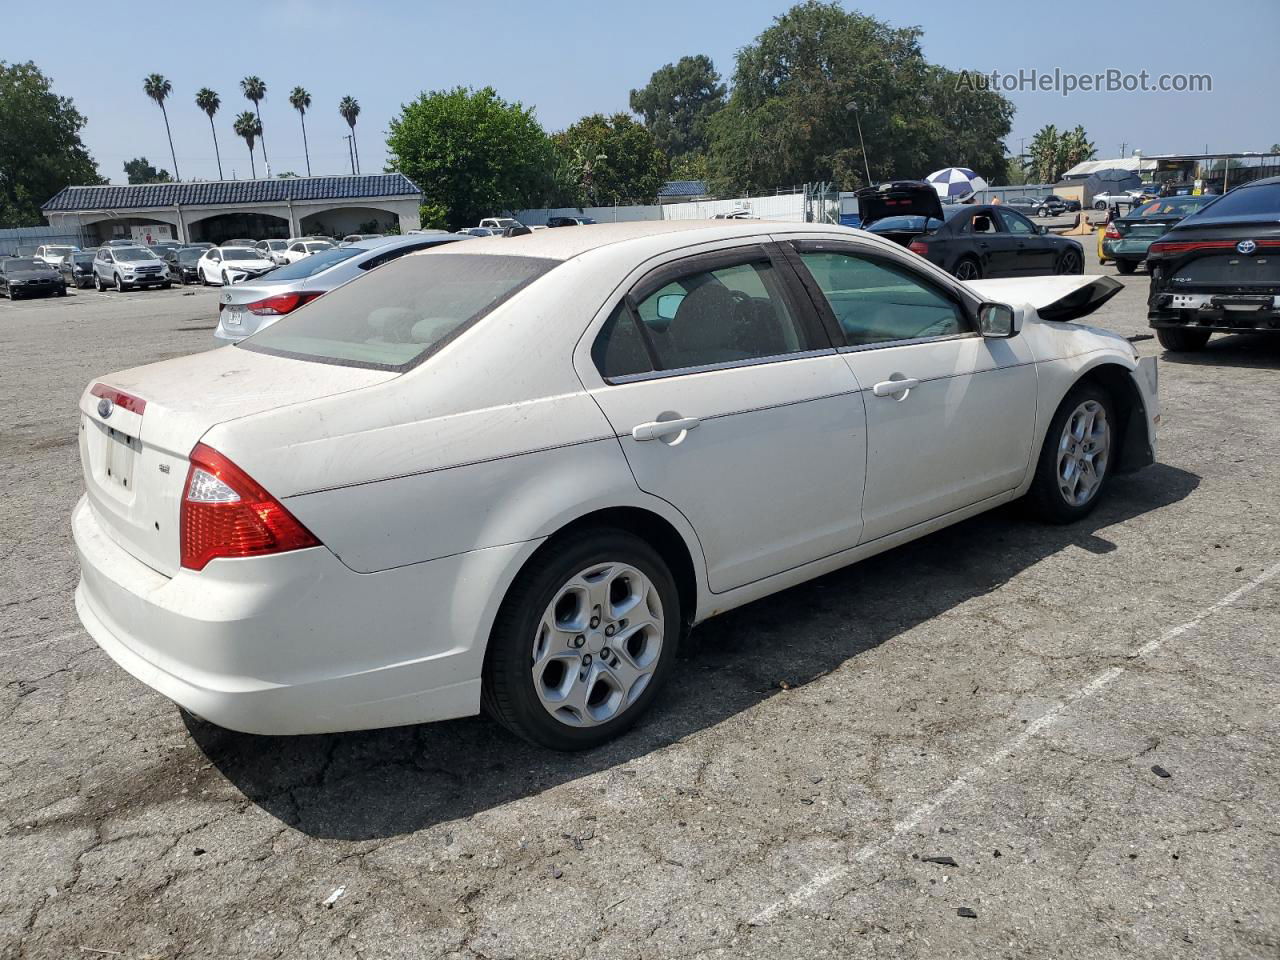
(293, 643)
(1221, 312)
(1126, 249)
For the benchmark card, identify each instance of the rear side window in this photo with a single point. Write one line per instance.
(395, 316)
(731, 314)
(877, 303)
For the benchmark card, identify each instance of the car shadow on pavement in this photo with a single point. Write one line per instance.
(384, 783)
(1261, 350)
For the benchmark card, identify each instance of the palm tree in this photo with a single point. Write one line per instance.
(301, 101)
(158, 89)
(256, 91)
(1076, 147)
(249, 127)
(350, 109)
(1046, 153)
(209, 102)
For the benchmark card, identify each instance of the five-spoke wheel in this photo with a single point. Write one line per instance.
(1076, 459)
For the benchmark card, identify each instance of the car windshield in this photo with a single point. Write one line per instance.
(310, 266)
(392, 319)
(190, 255)
(84, 258)
(235, 253)
(24, 263)
(318, 246)
(134, 254)
(1175, 206)
(59, 251)
(1262, 201)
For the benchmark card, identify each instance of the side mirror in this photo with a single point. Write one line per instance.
(668, 304)
(1042, 229)
(997, 321)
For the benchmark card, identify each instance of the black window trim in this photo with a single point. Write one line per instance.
(967, 302)
(794, 298)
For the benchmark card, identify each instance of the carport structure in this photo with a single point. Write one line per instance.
(222, 209)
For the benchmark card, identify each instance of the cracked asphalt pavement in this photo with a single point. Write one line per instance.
(1085, 719)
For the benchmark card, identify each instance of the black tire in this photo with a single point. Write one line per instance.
(1100, 205)
(121, 286)
(97, 283)
(509, 694)
(1126, 266)
(1045, 496)
(225, 281)
(204, 281)
(60, 292)
(1070, 264)
(1180, 340)
(166, 285)
(968, 268)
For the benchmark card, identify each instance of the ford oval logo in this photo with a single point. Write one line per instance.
(1246, 247)
(105, 406)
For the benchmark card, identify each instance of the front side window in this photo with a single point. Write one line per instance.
(726, 315)
(876, 302)
(1015, 222)
(393, 317)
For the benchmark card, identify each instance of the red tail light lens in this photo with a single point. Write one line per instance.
(280, 304)
(1112, 233)
(918, 246)
(1186, 246)
(225, 513)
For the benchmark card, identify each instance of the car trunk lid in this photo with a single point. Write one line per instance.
(138, 426)
(1058, 299)
(899, 198)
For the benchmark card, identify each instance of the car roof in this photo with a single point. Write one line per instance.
(566, 244)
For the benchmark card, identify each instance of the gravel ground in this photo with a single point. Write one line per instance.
(1085, 720)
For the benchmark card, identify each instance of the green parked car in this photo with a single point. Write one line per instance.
(1126, 239)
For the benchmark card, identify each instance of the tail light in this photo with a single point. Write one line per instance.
(918, 246)
(280, 304)
(1186, 246)
(1112, 233)
(225, 513)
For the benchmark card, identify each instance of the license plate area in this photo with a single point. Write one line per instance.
(118, 453)
(233, 315)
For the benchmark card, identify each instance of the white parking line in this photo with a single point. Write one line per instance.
(833, 874)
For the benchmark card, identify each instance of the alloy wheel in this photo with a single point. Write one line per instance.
(1083, 453)
(967, 270)
(597, 644)
(1069, 264)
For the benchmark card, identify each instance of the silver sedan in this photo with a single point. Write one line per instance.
(245, 308)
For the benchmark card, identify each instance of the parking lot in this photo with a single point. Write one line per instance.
(1004, 740)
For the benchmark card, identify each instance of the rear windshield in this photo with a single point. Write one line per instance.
(1171, 206)
(392, 318)
(1246, 201)
(240, 253)
(310, 266)
(917, 224)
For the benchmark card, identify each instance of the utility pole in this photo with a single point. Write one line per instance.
(1122, 146)
(866, 165)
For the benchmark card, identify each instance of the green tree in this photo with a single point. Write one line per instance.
(40, 148)
(1045, 154)
(472, 153)
(208, 101)
(349, 109)
(248, 127)
(1076, 147)
(678, 102)
(796, 90)
(612, 160)
(255, 91)
(300, 100)
(158, 89)
(138, 170)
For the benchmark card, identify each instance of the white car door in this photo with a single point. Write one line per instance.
(950, 413)
(730, 403)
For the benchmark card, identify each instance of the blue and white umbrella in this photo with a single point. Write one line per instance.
(956, 182)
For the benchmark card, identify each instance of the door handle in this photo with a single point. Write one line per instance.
(663, 428)
(891, 388)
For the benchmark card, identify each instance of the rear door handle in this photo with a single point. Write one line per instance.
(663, 428)
(891, 388)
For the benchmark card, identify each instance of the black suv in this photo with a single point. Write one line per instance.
(1218, 271)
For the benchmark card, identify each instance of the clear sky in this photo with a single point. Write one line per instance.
(569, 59)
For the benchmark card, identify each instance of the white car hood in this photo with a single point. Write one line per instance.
(1059, 299)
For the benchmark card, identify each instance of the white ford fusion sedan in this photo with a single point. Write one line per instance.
(515, 472)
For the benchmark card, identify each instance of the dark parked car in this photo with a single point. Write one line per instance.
(1036, 206)
(1218, 271)
(29, 277)
(77, 269)
(1127, 238)
(568, 221)
(182, 264)
(969, 241)
(1071, 206)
